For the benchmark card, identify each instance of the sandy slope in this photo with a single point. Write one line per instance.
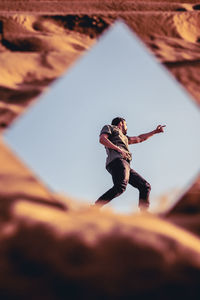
(35, 51)
(186, 212)
(18, 182)
(51, 248)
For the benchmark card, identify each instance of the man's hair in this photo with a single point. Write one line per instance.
(116, 121)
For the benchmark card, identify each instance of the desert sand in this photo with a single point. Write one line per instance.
(51, 246)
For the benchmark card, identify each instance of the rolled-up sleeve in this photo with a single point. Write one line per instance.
(106, 129)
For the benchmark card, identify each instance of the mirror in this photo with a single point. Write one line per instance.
(58, 137)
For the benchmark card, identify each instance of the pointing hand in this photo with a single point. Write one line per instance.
(159, 128)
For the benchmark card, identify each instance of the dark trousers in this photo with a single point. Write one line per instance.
(122, 174)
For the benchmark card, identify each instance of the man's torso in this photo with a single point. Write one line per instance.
(116, 136)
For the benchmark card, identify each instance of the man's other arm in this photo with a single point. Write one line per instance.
(143, 137)
(107, 143)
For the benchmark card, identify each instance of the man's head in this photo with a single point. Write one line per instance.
(121, 123)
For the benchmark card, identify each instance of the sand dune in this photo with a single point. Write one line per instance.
(35, 50)
(51, 247)
(187, 26)
(74, 7)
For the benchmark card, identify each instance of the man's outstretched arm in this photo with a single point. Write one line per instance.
(143, 137)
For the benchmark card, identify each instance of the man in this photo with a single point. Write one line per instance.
(116, 142)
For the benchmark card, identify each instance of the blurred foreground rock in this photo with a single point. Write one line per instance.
(51, 254)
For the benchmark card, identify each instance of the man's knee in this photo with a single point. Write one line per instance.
(147, 186)
(120, 188)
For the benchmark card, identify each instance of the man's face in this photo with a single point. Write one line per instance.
(124, 127)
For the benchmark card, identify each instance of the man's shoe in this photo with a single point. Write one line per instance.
(144, 208)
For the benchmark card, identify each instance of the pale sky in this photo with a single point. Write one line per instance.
(58, 137)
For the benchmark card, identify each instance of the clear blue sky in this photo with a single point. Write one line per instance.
(58, 136)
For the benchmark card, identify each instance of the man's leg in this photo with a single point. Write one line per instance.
(144, 188)
(120, 170)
